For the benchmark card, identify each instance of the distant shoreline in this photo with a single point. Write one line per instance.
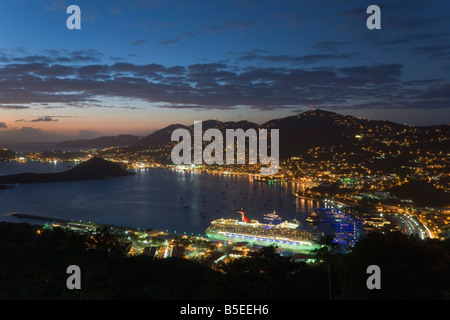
(307, 198)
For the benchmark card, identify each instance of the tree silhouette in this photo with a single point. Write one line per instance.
(33, 266)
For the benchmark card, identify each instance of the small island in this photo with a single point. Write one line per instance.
(92, 169)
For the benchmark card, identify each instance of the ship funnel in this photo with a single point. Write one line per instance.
(244, 216)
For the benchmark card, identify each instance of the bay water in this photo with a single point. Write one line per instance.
(160, 199)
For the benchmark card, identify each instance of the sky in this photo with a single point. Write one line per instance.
(139, 65)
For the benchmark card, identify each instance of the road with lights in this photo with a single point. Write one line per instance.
(412, 226)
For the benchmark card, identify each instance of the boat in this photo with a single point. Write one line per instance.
(270, 230)
(313, 218)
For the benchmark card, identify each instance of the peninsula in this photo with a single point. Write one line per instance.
(92, 169)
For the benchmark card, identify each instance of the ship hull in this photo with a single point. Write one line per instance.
(260, 235)
(302, 247)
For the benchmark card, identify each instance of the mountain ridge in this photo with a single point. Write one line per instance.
(298, 133)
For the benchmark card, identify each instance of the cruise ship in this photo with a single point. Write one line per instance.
(270, 230)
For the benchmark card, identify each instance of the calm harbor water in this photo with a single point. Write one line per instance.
(159, 199)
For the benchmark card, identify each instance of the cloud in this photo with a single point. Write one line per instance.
(138, 42)
(215, 85)
(117, 58)
(227, 25)
(43, 119)
(327, 45)
(441, 50)
(27, 134)
(57, 6)
(223, 26)
(190, 107)
(32, 59)
(377, 74)
(3, 125)
(303, 59)
(186, 35)
(54, 56)
(88, 55)
(13, 107)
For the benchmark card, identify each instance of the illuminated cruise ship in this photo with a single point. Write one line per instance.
(271, 230)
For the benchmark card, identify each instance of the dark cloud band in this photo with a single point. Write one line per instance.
(44, 80)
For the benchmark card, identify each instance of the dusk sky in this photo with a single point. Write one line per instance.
(139, 65)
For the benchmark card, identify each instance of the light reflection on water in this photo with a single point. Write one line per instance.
(153, 198)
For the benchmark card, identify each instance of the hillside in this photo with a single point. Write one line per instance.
(319, 128)
(159, 137)
(422, 193)
(6, 154)
(299, 134)
(95, 168)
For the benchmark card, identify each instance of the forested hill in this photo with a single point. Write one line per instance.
(94, 168)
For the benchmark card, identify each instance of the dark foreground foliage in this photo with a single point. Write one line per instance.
(34, 266)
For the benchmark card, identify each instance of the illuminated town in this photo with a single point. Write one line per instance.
(224, 150)
(361, 190)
